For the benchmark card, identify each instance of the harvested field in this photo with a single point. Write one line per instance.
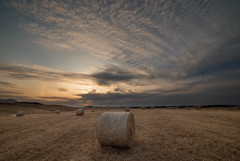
(161, 134)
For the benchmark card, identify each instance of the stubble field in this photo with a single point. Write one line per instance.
(161, 134)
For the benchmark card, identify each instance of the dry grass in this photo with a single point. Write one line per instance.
(161, 134)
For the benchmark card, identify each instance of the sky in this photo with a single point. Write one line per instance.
(120, 53)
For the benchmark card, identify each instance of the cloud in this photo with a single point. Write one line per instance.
(3, 92)
(227, 94)
(16, 94)
(168, 50)
(8, 84)
(51, 44)
(122, 90)
(122, 80)
(225, 58)
(55, 98)
(18, 71)
(115, 74)
(153, 35)
(67, 102)
(108, 76)
(10, 90)
(62, 90)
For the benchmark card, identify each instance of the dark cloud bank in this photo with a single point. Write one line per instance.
(225, 95)
(115, 74)
(140, 99)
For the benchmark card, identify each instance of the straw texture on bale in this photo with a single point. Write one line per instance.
(58, 111)
(20, 113)
(116, 129)
(79, 112)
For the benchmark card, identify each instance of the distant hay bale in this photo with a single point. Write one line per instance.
(116, 129)
(127, 109)
(20, 113)
(92, 110)
(79, 112)
(198, 107)
(58, 111)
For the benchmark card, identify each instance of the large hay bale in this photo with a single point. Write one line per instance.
(20, 113)
(116, 129)
(79, 112)
(58, 111)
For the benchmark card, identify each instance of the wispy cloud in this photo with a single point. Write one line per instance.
(115, 74)
(143, 35)
(167, 47)
(62, 89)
(54, 98)
(108, 76)
(8, 84)
(10, 90)
(26, 72)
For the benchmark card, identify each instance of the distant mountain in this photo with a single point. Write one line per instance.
(8, 101)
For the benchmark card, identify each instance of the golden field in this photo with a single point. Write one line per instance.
(161, 134)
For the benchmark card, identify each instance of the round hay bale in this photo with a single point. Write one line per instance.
(79, 112)
(198, 107)
(116, 129)
(58, 111)
(127, 109)
(20, 113)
